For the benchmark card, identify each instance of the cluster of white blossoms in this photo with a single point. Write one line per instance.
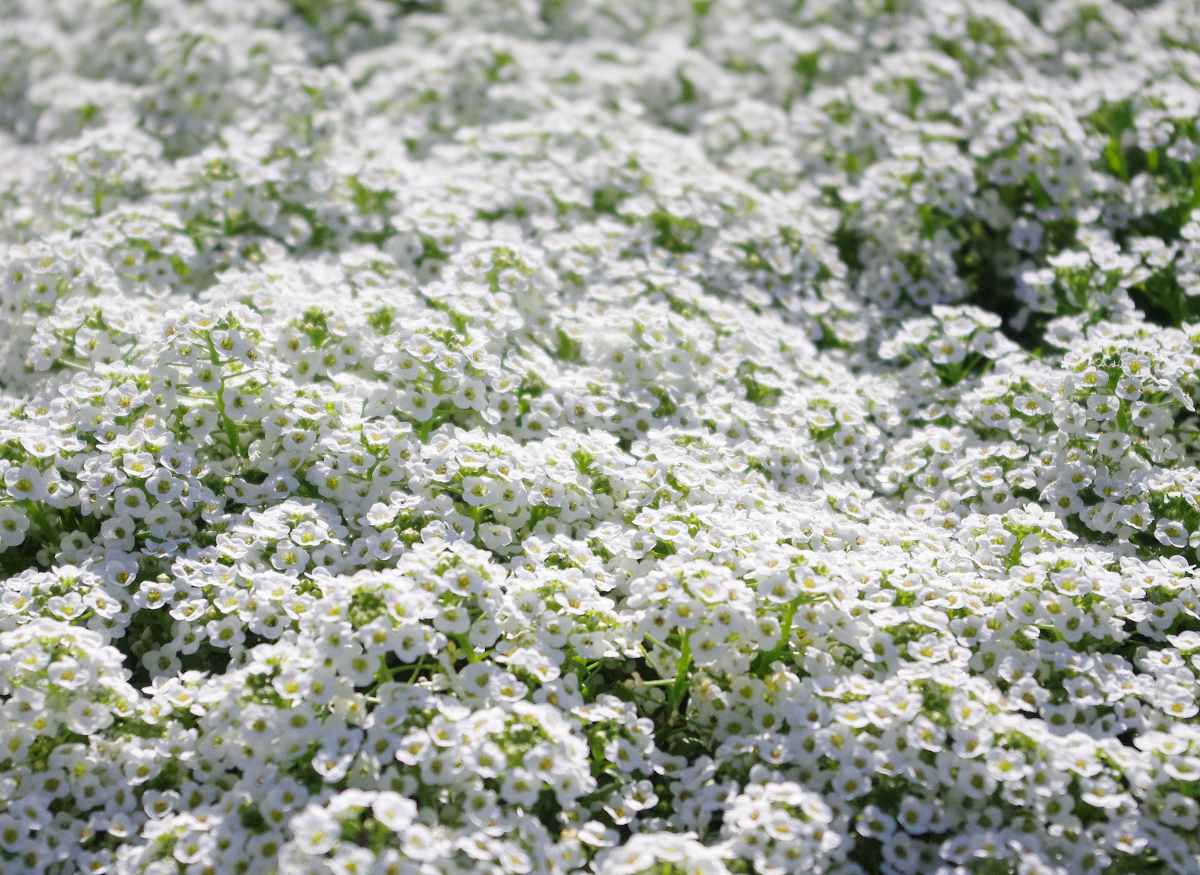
(632, 437)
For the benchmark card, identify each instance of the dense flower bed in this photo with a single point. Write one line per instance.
(616, 436)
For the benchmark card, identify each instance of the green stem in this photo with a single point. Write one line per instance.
(660, 682)
(682, 669)
(763, 660)
(227, 424)
(416, 669)
(600, 793)
(465, 646)
(37, 516)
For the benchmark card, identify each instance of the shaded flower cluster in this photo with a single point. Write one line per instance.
(656, 436)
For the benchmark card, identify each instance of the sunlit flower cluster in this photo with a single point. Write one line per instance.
(636, 437)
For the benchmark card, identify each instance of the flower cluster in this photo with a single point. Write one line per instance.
(624, 436)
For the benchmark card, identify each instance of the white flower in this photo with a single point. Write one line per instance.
(14, 525)
(785, 460)
(315, 830)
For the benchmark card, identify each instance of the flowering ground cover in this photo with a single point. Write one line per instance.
(614, 436)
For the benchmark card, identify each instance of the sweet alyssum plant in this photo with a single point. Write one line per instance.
(616, 437)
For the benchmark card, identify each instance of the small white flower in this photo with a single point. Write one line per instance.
(316, 831)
